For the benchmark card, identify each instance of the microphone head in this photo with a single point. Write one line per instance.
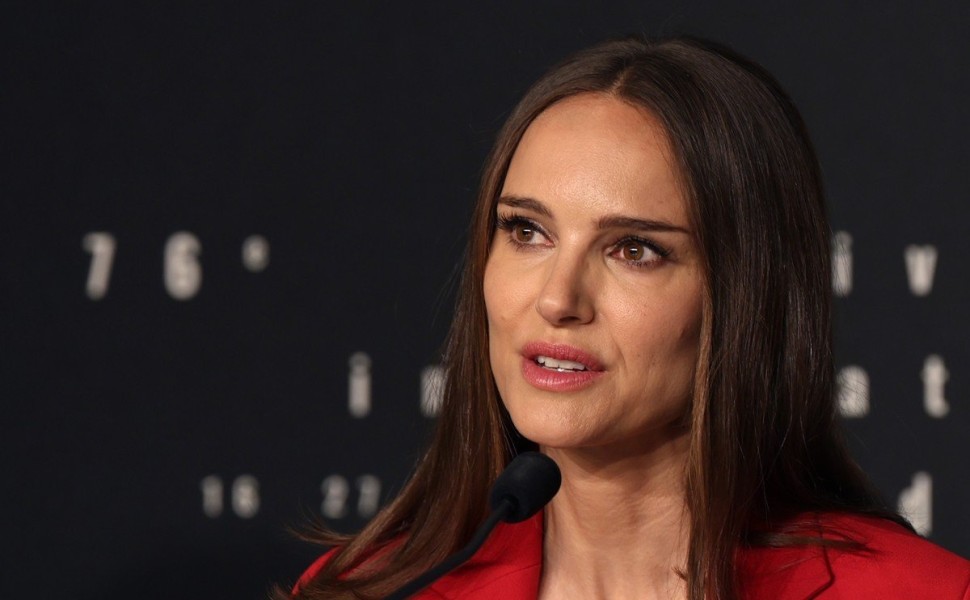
(529, 483)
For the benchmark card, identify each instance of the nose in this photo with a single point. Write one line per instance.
(566, 297)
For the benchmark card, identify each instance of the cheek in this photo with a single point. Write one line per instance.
(663, 332)
(684, 345)
(496, 306)
(496, 311)
(508, 303)
(490, 288)
(506, 296)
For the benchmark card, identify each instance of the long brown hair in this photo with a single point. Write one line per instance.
(762, 412)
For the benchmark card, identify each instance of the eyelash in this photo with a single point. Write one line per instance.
(507, 223)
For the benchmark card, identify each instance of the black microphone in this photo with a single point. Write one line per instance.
(526, 485)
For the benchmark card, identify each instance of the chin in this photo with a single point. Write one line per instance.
(565, 430)
(550, 429)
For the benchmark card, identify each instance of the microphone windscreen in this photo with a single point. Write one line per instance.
(529, 483)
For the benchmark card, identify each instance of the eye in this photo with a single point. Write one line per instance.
(520, 231)
(639, 252)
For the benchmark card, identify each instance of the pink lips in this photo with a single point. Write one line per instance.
(554, 380)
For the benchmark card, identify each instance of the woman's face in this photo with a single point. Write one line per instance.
(593, 285)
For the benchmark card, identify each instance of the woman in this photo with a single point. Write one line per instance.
(646, 300)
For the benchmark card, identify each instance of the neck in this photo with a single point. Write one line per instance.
(618, 528)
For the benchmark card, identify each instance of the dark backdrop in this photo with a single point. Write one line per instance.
(229, 236)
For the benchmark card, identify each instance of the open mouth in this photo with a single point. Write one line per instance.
(558, 367)
(562, 366)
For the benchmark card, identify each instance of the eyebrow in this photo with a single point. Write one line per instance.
(605, 222)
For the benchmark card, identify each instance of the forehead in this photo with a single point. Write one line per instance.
(596, 150)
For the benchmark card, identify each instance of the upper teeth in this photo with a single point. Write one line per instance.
(561, 365)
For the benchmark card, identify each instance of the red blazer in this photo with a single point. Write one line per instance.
(898, 564)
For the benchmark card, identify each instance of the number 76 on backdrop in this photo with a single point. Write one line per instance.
(181, 268)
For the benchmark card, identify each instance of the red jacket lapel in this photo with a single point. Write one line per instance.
(508, 566)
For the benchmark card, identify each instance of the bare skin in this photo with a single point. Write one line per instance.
(618, 528)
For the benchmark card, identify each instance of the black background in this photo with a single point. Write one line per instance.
(350, 137)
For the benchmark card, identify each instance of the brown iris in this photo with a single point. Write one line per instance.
(633, 251)
(523, 233)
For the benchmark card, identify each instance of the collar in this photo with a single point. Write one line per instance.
(509, 566)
